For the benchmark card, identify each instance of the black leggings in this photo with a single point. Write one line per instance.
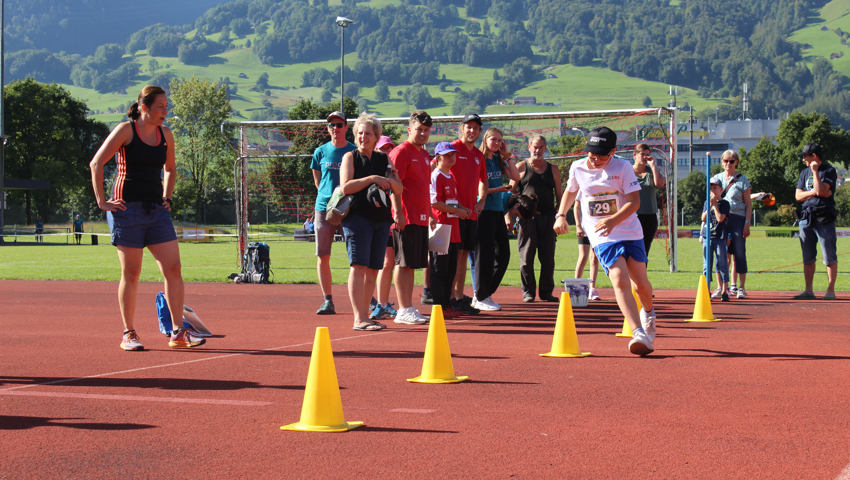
(649, 223)
(492, 252)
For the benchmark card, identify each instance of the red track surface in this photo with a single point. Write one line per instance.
(762, 394)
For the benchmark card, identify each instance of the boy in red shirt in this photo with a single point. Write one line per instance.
(447, 210)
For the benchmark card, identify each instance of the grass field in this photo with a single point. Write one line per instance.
(835, 14)
(774, 263)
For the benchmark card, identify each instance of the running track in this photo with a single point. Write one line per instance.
(763, 394)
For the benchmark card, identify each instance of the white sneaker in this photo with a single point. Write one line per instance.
(640, 344)
(408, 316)
(717, 293)
(419, 316)
(742, 293)
(647, 321)
(487, 305)
(594, 295)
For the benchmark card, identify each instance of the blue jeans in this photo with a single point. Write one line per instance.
(718, 248)
(366, 241)
(738, 248)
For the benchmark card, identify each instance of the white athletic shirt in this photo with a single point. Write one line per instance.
(602, 192)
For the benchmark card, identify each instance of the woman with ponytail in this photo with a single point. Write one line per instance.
(138, 212)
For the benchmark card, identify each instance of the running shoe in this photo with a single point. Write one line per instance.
(550, 298)
(829, 296)
(805, 296)
(647, 321)
(724, 297)
(372, 304)
(377, 313)
(741, 293)
(594, 295)
(462, 307)
(184, 339)
(426, 298)
(389, 310)
(327, 308)
(527, 298)
(408, 317)
(717, 293)
(419, 316)
(733, 289)
(131, 341)
(449, 313)
(640, 344)
(487, 305)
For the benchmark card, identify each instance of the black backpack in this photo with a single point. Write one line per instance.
(256, 264)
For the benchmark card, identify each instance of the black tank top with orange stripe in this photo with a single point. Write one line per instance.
(139, 174)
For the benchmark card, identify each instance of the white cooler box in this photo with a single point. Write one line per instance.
(579, 290)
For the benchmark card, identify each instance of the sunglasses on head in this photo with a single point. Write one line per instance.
(336, 124)
(423, 119)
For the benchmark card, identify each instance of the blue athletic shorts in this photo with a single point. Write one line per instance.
(366, 241)
(608, 253)
(138, 226)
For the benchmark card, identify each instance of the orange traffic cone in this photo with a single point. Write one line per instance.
(322, 408)
(565, 342)
(437, 366)
(627, 329)
(702, 307)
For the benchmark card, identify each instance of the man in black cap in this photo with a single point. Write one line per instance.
(326, 163)
(816, 190)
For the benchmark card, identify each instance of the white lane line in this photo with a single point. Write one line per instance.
(204, 401)
(66, 380)
(845, 474)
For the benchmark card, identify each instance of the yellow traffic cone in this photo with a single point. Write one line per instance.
(437, 366)
(322, 408)
(702, 307)
(565, 342)
(627, 329)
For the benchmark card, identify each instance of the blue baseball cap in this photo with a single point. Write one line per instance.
(443, 148)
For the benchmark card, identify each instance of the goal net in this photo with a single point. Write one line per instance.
(273, 165)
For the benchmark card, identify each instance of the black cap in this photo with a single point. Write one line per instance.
(811, 148)
(601, 141)
(337, 114)
(471, 117)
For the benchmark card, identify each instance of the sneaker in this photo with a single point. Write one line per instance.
(741, 293)
(427, 299)
(449, 313)
(724, 297)
(805, 296)
(527, 298)
(406, 316)
(733, 289)
(594, 295)
(717, 293)
(184, 339)
(467, 300)
(377, 313)
(550, 298)
(487, 305)
(462, 307)
(372, 304)
(829, 296)
(419, 316)
(647, 321)
(327, 308)
(640, 344)
(131, 341)
(389, 310)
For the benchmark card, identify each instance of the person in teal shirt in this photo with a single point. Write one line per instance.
(78, 230)
(325, 165)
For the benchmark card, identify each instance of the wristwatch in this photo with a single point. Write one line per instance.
(560, 215)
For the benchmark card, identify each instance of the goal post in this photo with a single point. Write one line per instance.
(273, 161)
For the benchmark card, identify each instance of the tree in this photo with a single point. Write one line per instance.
(382, 91)
(647, 102)
(199, 108)
(485, 29)
(327, 96)
(153, 66)
(50, 139)
(262, 82)
(473, 27)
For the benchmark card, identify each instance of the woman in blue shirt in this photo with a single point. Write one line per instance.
(492, 249)
(736, 190)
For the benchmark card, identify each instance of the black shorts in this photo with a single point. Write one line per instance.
(411, 246)
(468, 234)
(583, 240)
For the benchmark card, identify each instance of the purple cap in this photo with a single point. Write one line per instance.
(384, 140)
(443, 148)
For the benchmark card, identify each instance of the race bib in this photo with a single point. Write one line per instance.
(602, 205)
(452, 203)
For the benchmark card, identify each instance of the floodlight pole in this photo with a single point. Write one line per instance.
(344, 23)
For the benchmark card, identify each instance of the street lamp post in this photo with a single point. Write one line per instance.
(344, 23)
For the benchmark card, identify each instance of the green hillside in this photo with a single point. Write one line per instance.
(823, 43)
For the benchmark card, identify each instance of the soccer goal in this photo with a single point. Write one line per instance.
(273, 164)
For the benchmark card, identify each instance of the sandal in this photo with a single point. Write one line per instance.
(370, 327)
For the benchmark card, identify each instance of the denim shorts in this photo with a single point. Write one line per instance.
(366, 241)
(812, 232)
(138, 226)
(609, 253)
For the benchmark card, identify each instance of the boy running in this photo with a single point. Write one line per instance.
(610, 197)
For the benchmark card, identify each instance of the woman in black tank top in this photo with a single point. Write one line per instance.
(535, 236)
(138, 211)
